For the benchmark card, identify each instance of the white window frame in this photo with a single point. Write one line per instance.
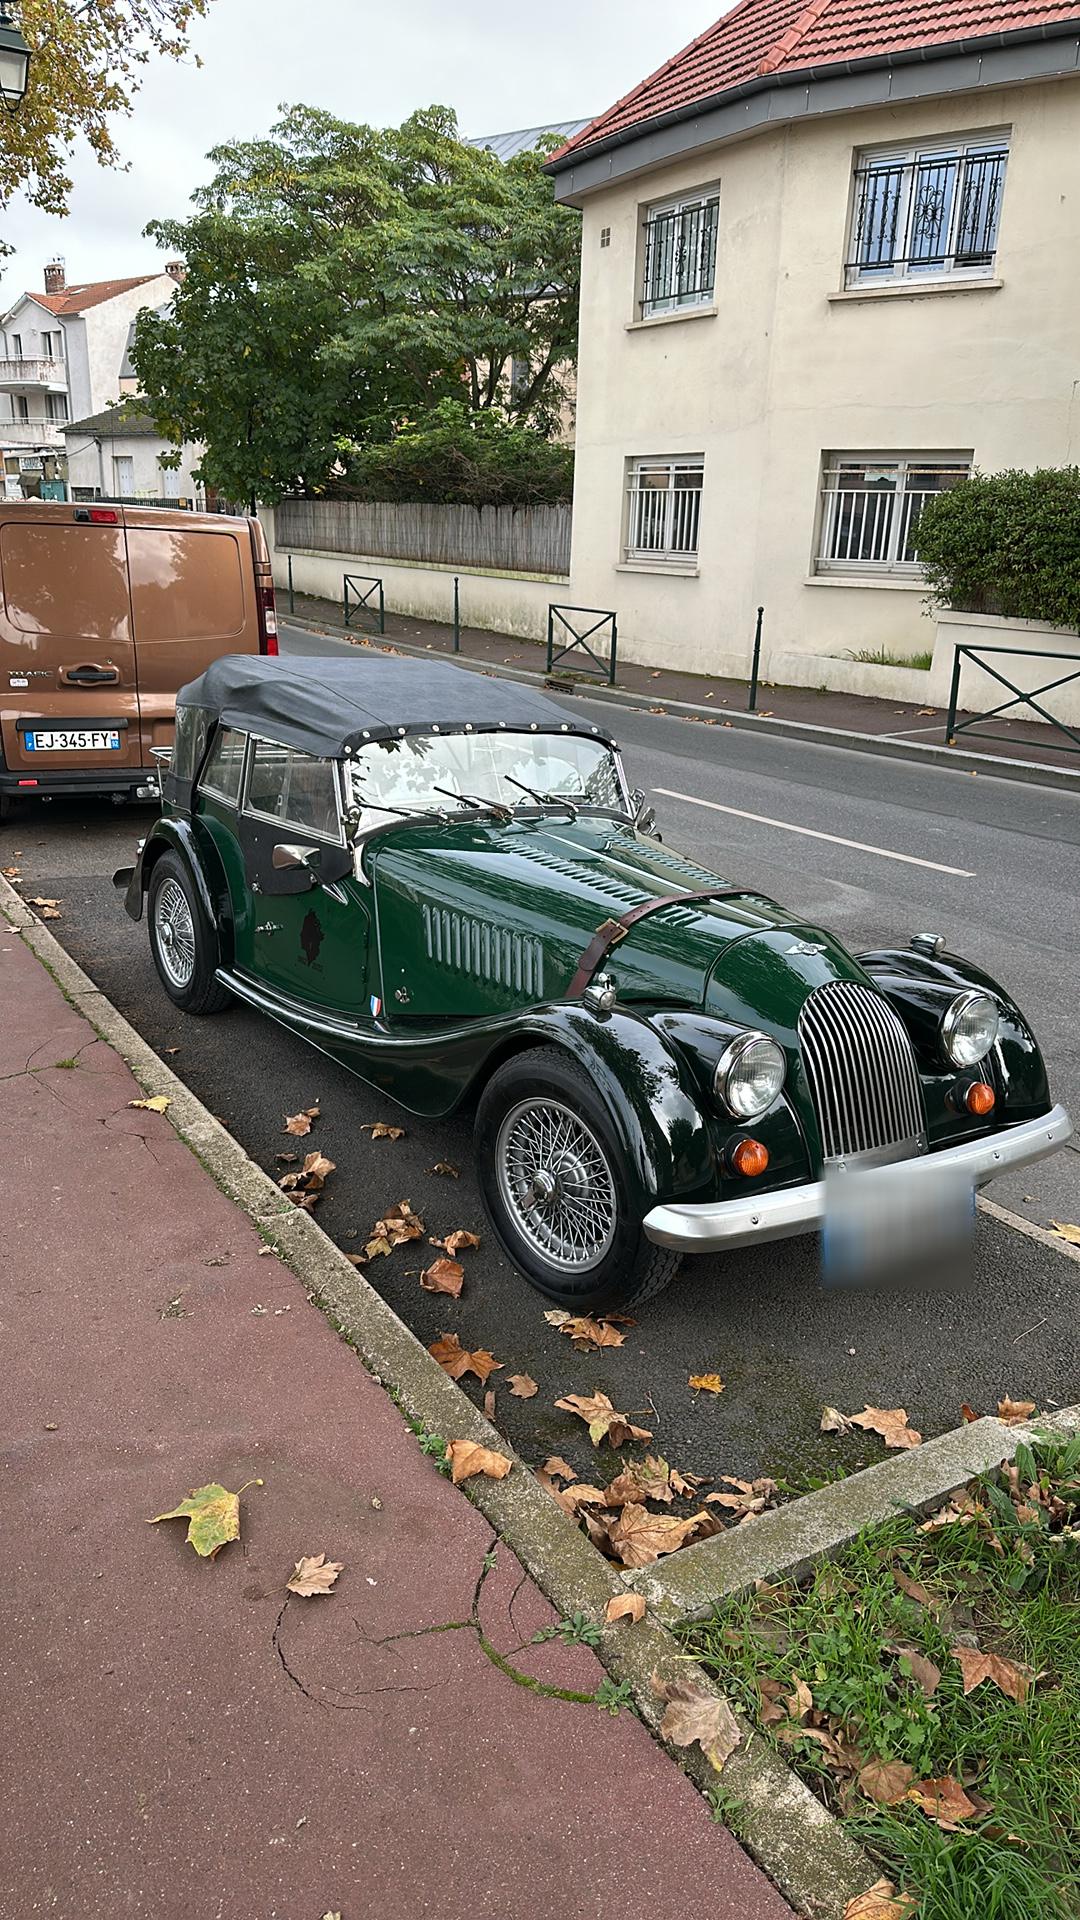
(967, 152)
(663, 524)
(702, 294)
(884, 530)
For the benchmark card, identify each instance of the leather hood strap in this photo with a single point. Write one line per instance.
(612, 931)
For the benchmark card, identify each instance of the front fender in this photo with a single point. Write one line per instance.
(649, 1094)
(920, 987)
(200, 861)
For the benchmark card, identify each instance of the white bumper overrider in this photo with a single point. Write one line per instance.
(701, 1226)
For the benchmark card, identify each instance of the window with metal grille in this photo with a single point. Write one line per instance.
(680, 253)
(926, 210)
(665, 508)
(870, 508)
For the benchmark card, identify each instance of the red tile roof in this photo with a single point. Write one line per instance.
(92, 294)
(761, 38)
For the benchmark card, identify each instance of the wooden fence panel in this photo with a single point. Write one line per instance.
(503, 539)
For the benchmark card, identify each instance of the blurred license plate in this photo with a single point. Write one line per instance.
(905, 1225)
(73, 740)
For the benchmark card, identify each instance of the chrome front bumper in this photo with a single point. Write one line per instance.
(709, 1225)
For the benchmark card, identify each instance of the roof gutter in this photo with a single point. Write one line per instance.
(804, 76)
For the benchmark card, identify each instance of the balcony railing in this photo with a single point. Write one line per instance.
(33, 373)
(39, 431)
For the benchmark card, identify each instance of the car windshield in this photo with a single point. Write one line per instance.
(427, 772)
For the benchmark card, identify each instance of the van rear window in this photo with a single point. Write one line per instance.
(186, 584)
(66, 580)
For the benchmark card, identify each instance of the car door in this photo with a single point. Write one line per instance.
(68, 694)
(305, 939)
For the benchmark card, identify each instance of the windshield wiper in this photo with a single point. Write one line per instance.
(495, 807)
(542, 799)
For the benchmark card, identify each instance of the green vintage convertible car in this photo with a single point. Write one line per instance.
(443, 882)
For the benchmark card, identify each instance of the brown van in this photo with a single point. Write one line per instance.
(104, 613)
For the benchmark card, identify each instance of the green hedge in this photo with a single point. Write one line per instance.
(454, 457)
(1006, 543)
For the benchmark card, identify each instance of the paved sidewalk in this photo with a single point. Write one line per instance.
(1015, 739)
(182, 1740)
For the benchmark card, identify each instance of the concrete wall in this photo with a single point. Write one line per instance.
(787, 365)
(107, 329)
(511, 603)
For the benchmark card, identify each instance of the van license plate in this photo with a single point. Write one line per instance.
(73, 740)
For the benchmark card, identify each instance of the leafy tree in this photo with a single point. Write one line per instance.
(343, 280)
(86, 62)
(454, 456)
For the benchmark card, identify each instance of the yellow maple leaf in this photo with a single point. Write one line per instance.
(706, 1382)
(213, 1516)
(159, 1103)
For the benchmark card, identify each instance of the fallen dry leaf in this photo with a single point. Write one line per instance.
(588, 1335)
(11, 873)
(880, 1902)
(693, 1716)
(48, 909)
(1015, 1412)
(313, 1574)
(751, 1496)
(522, 1386)
(456, 1360)
(885, 1781)
(1068, 1231)
(977, 1666)
(967, 1414)
(801, 1702)
(447, 1168)
(379, 1130)
(944, 1800)
(624, 1606)
(685, 1484)
(158, 1103)
(833, 1421)
(891, 1423)
(489, 1403)
(922, 1669)
(300, 1123)
(304, 1187)
(914, 1590)
(467, 1458)
(640, 1480)
(557, 1468)
(213, 1516)
(457, 1241)
(399, 1225)
(443, 1276)
(357, 1259)
(639, 1537)
(602, 1420)
(706, 1382)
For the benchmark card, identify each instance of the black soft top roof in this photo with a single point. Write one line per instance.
(329, 706)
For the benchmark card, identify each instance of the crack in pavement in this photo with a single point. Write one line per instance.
(502, 1661)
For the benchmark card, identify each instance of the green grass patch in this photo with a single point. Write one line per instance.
(1000, 1578)
(881, 657)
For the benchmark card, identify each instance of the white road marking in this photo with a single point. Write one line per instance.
(1029, 1227)
(812, 833)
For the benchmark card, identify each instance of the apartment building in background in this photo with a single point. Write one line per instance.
(831, 262)
(62, 352)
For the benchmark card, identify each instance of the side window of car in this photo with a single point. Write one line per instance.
(225, 766)
(294, 788)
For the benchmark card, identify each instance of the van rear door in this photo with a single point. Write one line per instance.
(192, 599)
(68, 690)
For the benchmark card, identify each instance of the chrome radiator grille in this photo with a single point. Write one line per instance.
(861, 1071)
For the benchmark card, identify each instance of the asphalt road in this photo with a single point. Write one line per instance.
(995, 866)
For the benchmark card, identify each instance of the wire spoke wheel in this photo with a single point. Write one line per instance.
(174, 931)
(556, 1183)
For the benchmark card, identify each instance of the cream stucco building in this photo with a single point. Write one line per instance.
(831, 260)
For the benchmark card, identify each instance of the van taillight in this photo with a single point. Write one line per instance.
(268, 634)
(104, 517)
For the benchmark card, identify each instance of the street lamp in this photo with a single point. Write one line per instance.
(14, 61)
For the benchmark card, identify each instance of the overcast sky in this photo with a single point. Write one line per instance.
(500, 66)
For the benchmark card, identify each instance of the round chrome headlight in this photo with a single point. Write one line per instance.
(749, 1075)
(969, 1028)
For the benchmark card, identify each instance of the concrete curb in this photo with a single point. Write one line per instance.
(784, 1543)
(958, 759)
(781, 1823)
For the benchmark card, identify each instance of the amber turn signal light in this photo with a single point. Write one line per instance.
(979, 1098)
(750, 1157)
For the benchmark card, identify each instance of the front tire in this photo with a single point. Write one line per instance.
(556, 1185)
(182, 941)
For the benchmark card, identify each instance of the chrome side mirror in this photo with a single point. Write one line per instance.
(286, 855)
(644, 816)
